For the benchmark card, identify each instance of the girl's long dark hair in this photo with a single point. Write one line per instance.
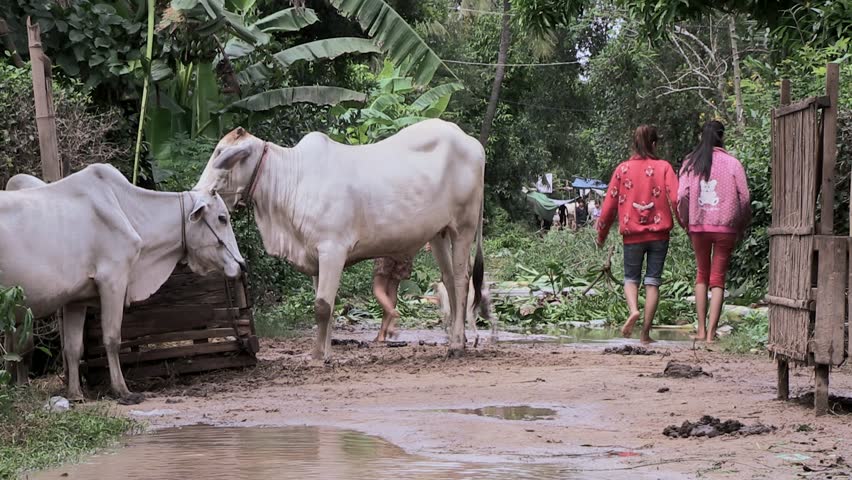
(645, 142)
(700, 160)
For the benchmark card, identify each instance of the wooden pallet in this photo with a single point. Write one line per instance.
(192, 324)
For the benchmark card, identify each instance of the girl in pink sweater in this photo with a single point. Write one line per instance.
(714, 204)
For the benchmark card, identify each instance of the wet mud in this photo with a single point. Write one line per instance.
(608, 419)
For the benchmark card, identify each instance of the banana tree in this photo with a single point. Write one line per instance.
(203, 38)
(395, 103)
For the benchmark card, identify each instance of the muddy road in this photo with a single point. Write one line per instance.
(594, 414)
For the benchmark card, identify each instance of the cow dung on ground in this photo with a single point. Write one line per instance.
(629, 350)
(711, 427)
(675, 369)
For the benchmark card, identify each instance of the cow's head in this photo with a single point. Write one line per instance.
(231, 166)
(210, 242)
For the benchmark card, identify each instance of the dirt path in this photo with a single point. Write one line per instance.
(611, 411)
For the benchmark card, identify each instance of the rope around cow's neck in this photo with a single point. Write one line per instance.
(248, 193)
(183, 224)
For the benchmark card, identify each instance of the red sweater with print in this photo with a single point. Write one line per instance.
(641, 194)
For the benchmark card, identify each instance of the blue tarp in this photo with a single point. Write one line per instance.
(588, 183)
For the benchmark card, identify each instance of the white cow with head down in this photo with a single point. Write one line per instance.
(93, 238)
(323, 205)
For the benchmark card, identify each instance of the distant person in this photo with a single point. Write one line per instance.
(714, 204)
(387, 274)
(594, 211)
(582, 213)
(642, 194)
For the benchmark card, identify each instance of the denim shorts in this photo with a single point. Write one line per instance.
(634, 255)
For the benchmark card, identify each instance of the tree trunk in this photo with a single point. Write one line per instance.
(499, 73)
(735, 59)
(7, 43)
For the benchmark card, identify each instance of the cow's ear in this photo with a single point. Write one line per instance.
(232, 155)
(197, 211)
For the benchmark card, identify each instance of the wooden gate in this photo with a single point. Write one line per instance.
(808, 267)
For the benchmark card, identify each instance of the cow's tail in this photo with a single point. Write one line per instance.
(479, 261)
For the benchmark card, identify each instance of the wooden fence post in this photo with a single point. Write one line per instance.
(52, 168)
(829, 148)
(782, 362)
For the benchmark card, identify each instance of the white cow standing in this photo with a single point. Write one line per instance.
(323, 205)
(93, 237)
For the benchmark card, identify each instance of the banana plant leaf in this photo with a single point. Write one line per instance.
(395, 37)
(317, 95)
(325, 50)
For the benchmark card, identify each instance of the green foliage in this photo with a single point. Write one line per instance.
(12, 302)
(394, 36)
(33, 438)
(90, 40)
(749, 336)
(564, 259)
(317, 95)
(390, 107)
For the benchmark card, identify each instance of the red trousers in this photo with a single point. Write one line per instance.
(713, 256)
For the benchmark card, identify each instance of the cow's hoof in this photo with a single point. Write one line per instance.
(76, 398)
(131, 399)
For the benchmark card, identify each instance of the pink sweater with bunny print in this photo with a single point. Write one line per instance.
(720, 204)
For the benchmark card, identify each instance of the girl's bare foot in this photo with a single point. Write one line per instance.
(627, 329)
(646, 339)
(700, 336)
(711, 337)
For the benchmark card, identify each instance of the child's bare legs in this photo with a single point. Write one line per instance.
(631, 294)
(652, 298)
(717, 298)
(701, 307)
(381, 290)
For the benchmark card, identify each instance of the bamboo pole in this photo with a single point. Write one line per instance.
(149, 50)
(51, 167)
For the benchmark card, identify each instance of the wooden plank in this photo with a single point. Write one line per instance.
(793, 231)
(829, 340)
(179, 366)
(801, 105)
(174, 352)
(821, 389)
(51, 167)
(168, 337)
(783, 378)
(787, 302)
(176, 319)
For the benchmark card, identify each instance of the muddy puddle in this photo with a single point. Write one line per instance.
(520, 412)
(597, 336)
(206, 452)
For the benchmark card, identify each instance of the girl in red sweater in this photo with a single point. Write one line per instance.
(642, 195)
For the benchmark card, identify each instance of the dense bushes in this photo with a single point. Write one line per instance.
(86, 134)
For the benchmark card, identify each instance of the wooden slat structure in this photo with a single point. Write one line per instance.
(193, 323)
(809, 272)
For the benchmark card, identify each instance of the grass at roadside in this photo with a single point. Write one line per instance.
(31, 438)
(749, 336)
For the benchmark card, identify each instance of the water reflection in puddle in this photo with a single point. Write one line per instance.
(521, 412)
(601, 335)
(204, 452)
